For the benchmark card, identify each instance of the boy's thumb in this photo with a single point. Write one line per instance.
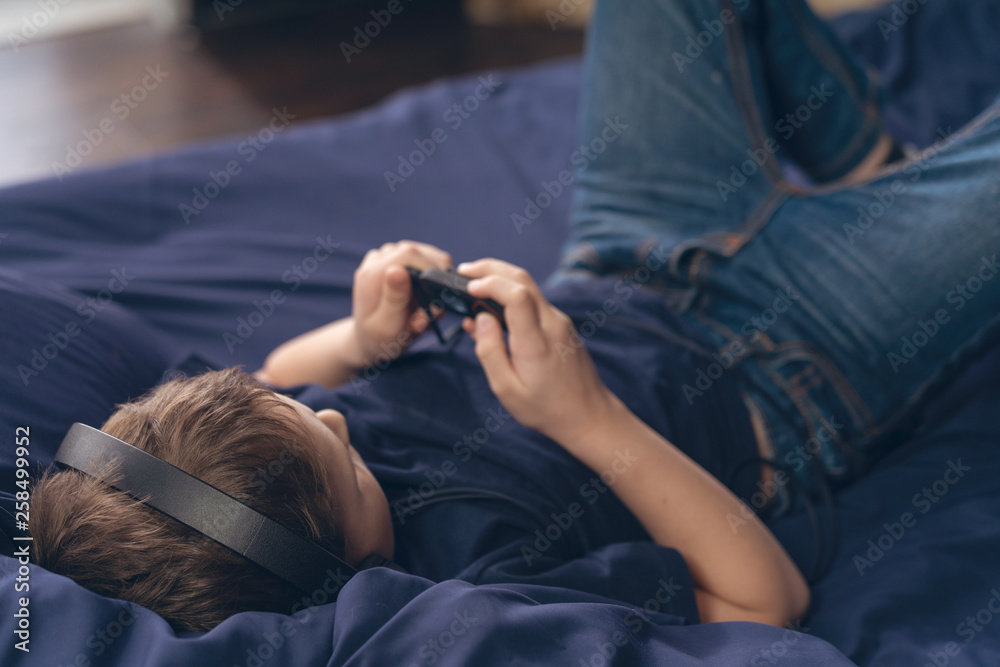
(397, 286)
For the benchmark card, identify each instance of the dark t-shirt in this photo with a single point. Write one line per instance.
(428, 426)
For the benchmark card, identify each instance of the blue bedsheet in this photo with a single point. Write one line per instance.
(915, 581)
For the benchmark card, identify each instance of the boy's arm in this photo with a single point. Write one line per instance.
(329, 356)
(384, 321)
(740, 575)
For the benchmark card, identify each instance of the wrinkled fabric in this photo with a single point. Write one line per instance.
(888, 600)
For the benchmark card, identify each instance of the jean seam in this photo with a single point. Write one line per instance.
(835, 64)
(811, 416)
(987, 335)
(854, 153)
(848, 396)
(984, 118)
(797, 399)
(766, 449)
(743, 93)
(755, 348)
(807, 379)
(800, 377)
(797, 394)
(742, 235)
(763, 422)
(827, 57)
(812, 383)
(851, 153)
(759, 219)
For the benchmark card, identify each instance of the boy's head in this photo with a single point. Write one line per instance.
(225, 428)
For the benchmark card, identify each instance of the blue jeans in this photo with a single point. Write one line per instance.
(838, 308)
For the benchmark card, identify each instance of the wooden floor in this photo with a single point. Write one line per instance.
(131, 90)
(94, 93)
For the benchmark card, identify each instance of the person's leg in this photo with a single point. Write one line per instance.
(686, 108)
(873, 296)
(824, 108)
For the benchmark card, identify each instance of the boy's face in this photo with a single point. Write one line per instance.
(364, 508)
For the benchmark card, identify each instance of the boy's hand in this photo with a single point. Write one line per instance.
(385, 316)
(547, 379)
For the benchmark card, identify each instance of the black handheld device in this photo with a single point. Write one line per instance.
(298, 561)
(449, 290)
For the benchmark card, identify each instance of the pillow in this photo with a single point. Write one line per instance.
(67, 357)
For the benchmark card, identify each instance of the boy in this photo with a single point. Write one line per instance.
(799, 324)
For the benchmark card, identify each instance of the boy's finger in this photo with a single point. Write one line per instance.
(419, 321)
(492, 352)
(521, 310)
(489, 266)
(419, 255)
(441, 258)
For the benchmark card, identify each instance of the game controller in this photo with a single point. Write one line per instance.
(448, 290)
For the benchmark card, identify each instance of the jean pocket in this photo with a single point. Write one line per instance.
(826, 411)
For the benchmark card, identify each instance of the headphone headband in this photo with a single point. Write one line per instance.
(298, 561)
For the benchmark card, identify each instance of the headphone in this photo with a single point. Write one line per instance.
(298, 561)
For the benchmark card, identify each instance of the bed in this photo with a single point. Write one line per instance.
(109, 278)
